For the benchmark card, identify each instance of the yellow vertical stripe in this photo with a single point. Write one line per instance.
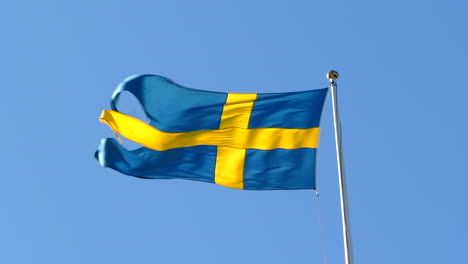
(229, 169)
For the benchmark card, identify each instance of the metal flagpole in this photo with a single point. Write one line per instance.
(332, 76)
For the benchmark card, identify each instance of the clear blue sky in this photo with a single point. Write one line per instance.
(403, 104)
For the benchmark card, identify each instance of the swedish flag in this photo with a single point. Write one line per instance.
(244, 141)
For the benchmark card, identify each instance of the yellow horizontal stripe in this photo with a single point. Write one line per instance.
(229, 170)
(256, 138)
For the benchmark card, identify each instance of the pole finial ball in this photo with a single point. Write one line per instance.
(333, 75)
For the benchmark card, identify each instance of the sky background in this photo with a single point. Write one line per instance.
(403, 93)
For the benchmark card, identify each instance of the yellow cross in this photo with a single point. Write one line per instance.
(232, 138)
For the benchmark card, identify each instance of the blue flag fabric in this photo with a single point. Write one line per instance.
(244, 141)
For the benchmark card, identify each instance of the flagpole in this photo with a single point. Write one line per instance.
(332, 76)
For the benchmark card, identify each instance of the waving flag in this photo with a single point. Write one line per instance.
(244, 141)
